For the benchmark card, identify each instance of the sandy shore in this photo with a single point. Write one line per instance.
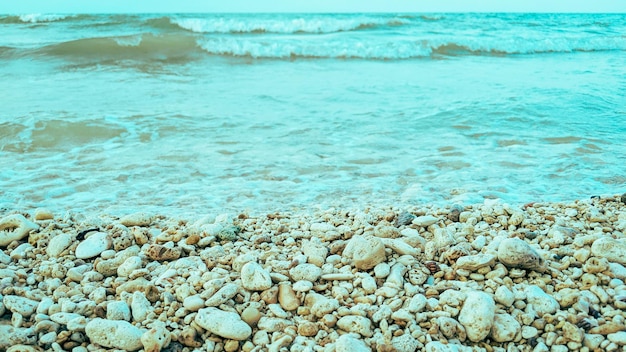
(490, 277)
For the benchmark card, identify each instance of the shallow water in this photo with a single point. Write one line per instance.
(206, 113)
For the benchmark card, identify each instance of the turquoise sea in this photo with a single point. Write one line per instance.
(206, 113)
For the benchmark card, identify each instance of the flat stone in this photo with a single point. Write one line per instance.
(225, 324)
(611, 249)
(425, 220)
(114, 334)
(20, 305)
(475, 262)
(225, 293)
(14, 228)
(162, 253)
(136, 219)
(477, 315)
(92, 246)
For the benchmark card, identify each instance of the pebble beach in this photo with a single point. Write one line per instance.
(486, 277)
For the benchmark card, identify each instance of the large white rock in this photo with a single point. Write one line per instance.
(255, 278)
(225, 324)
(477, 315)
(114, 333)
(20, 305)
(542, 302)
(356, 323)
(58, 244)
(10, 336)
(609, 248)
(14, 228)
(365, 252)
(350, 343)
(425, 220)
(140, 307)
(505, 328)
(93, 245)
(516, 253)
(308, 272)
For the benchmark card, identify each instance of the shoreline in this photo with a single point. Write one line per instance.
(489, 277)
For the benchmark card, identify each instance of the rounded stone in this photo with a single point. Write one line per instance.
(355, 323)
(287, 297)
(118, 310)
(58, 244)
(505, 328)
(477, 315)
(114, 333)
(516, 253)
(225, 324)
(93, 245)
(542, 302)
(255, 278)
(365, 252)
(611, 249)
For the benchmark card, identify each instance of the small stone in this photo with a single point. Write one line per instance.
(516, 218)
(43, 214)
(315, 251)
(140, 306)
(475, 262)
(321, 305)
(287, 297)
(96, 243)
(129, 265)
(505, 328)
(400, 246)
(58, 244)
(14, 228)
(162, 253)
(155, 339)
(572, 333)
(516, 253)
(118, 310)
(365, 251)
(136, 219)
(114, 333)
(542, 302)
(255, 278)
(382, 270)
(271, 324)
(302, 286)
(308, 329)
(425, 220)
(504, 296)
(193, 303)
(251, 315)
(618, 270)
(225, 293)
(477, 315)
(225, 324)
(308, 272)
(20, 305)
(357, 324)
(611, 249)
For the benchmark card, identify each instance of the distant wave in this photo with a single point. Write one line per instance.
(282, 26)
(187, 46)
(34, 18)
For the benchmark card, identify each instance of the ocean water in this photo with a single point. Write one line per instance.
(211, 113)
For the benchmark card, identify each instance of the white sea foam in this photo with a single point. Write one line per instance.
(39, 17)
(309, 24)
